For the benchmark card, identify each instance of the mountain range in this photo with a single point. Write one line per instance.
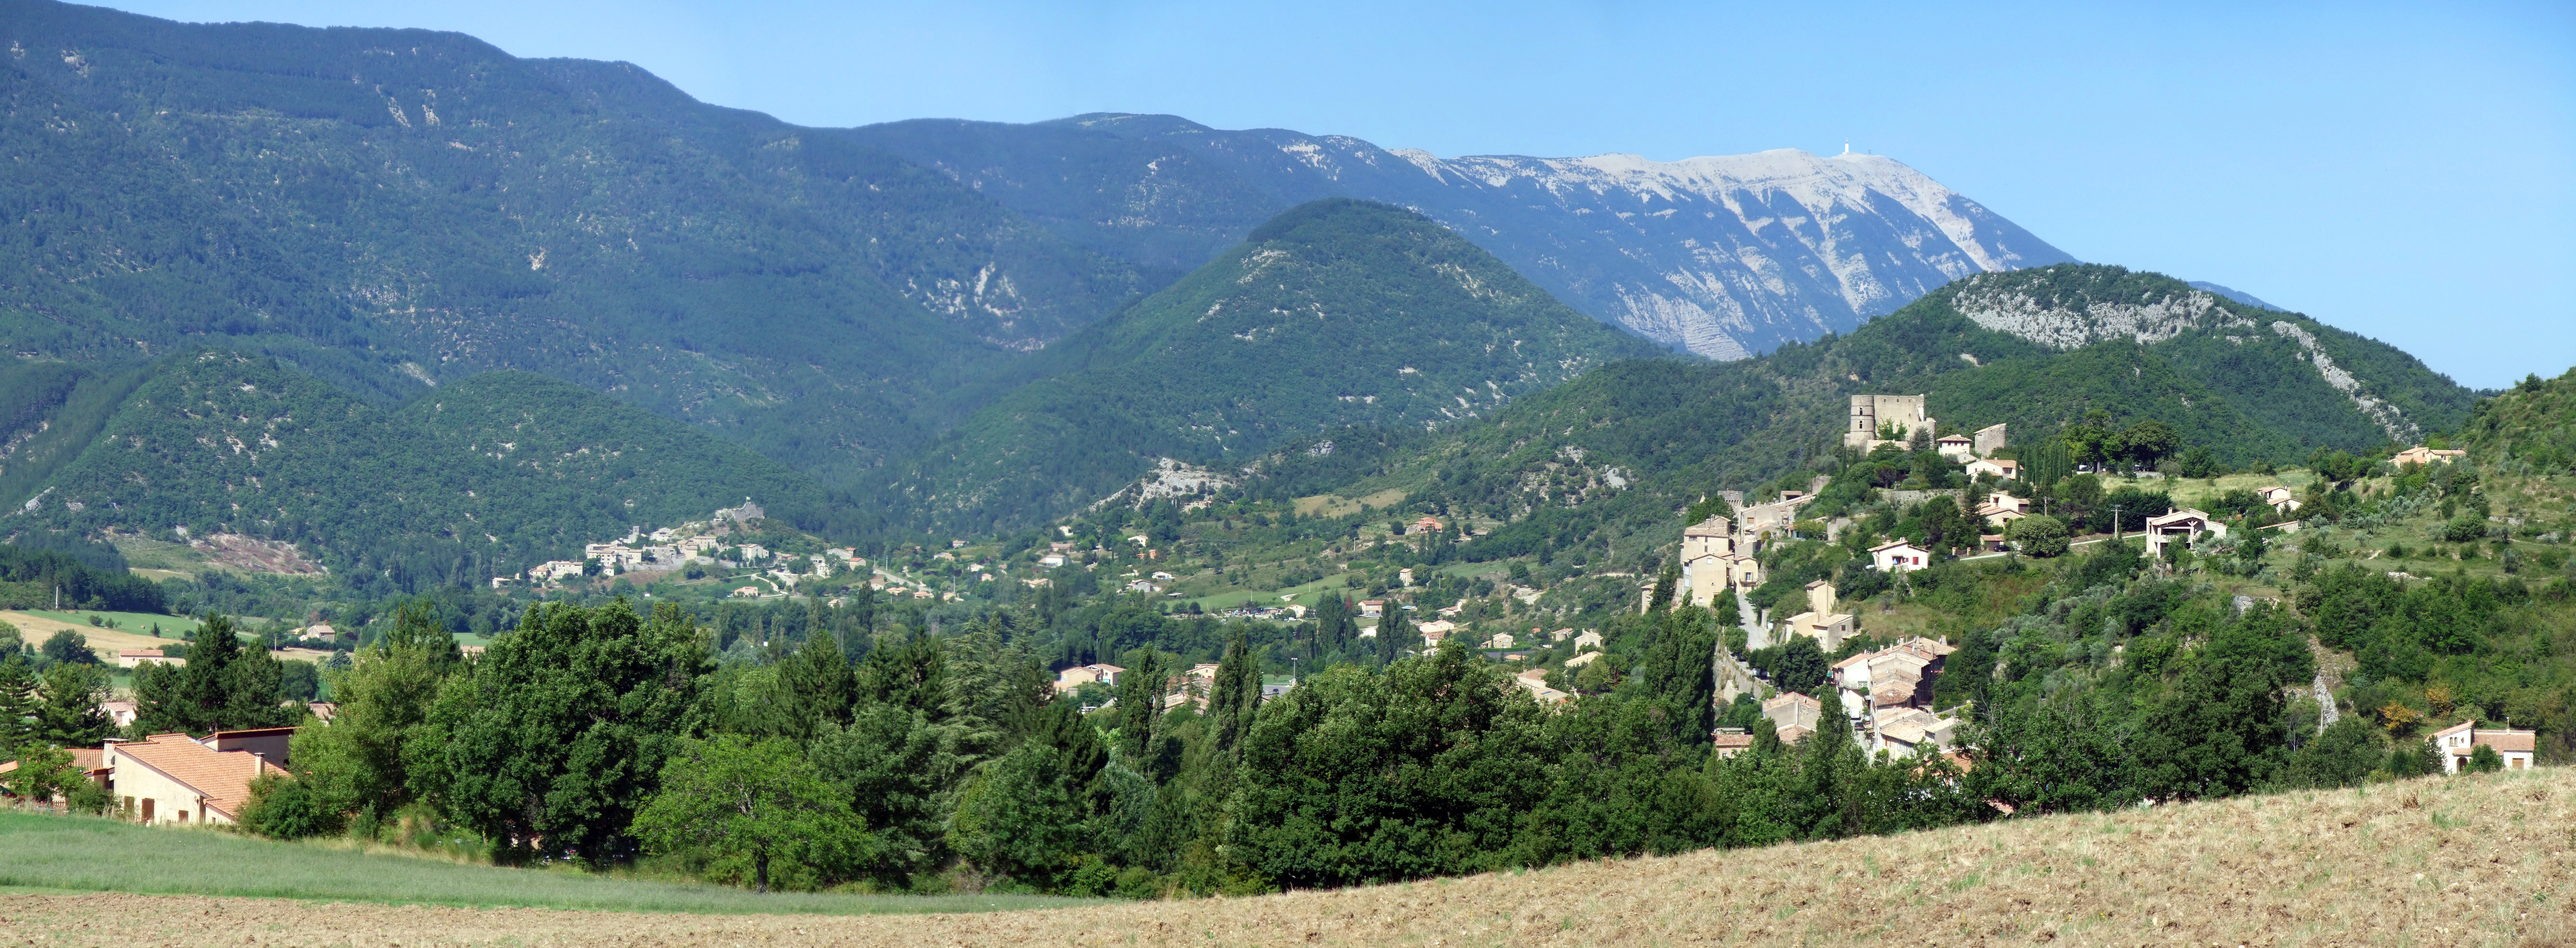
(229, 233)
(1719, 256)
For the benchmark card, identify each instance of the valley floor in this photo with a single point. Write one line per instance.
(2469, 861)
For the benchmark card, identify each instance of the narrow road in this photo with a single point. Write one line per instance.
(1756, 634)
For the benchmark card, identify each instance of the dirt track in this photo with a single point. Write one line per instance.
(2468, 862)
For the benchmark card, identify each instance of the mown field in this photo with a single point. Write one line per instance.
(2470, 861)
(54, 853)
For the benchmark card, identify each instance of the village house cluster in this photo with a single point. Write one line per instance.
(696, 542)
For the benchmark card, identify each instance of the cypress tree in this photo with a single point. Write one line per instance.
(1392, 632)
(1237, 692)
(1664, 583)
(1140, 703)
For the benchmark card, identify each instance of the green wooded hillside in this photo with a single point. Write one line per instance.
(1673, 431)
(382, 208)
(479, 478)
(1334, 313)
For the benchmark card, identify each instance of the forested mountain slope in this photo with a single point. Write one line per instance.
(390, 208)
(481, 478)
(2249, 385)
(1722, 256)
(1335, 313)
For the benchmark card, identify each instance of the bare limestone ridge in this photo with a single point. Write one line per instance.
(2043, 315)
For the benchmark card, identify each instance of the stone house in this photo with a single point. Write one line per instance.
(1901, 675)
(1534, 681)
(2460, 740)
(1989, 440)
(2002, 469)
(1080, 675)
(1793, 716)
(134, 657)
(2280, 497)
(1903, 732)
(1956, 447)
(2424, 455)
(173, 778)
(1436, 630)
(1712, 564)
(1729, 741)
(2183, 524)
(1898, 556)
(1820, 621)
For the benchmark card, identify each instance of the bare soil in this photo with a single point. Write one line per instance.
(2471, 861)
(250, 554)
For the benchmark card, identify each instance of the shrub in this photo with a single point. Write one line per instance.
(282, 807)
(2039, 535)
(2485, 760)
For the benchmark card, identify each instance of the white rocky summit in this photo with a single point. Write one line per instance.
(1729, 254)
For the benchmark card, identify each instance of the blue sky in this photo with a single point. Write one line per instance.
(2406, 172)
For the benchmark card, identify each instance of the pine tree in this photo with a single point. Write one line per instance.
(820, 686)
(71, 713)
(223, 686)
(18, 701)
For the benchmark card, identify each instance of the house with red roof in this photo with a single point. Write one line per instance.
(174, 778)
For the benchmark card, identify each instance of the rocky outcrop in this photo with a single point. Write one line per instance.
(2004, 308)
(2002, 305)
(2387, 416)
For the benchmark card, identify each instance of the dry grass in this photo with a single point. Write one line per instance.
(2452, 862)
(1335, 505)
(35, 627)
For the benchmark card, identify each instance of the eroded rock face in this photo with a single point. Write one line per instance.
(2152, 319)
(2057, 326)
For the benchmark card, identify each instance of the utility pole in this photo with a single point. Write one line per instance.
(2115, 522)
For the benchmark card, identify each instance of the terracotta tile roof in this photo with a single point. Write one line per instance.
(1731, 741)
(88, 759)
(2500, 740)
(222, 777)
(1790, 697)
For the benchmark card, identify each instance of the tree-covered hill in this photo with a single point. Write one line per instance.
(481, 478)
(1334, 313)
(2224, 376)
(383, 208)
(2530, 427)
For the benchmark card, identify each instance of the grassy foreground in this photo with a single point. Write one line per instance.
(41, 851)
(2471, 861)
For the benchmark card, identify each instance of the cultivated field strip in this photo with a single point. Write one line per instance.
(2470, 861)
